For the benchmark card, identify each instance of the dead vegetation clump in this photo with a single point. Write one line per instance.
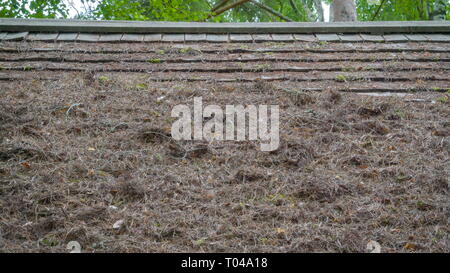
(243, 176)
(373, 111)
(126, 187)
(293, 153)
(320, 188)
(185, 151)
(349, 169)
(259, 86)
(154, 135)
(301, 98)
(332, 97)
(18, 153)
(372, 126)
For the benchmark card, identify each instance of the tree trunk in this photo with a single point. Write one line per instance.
(343, 11)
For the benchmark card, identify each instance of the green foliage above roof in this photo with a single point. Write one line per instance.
(200, 10)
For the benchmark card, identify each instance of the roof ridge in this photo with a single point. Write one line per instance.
(87, 26)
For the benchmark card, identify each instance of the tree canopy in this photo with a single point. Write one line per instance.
(211, 10)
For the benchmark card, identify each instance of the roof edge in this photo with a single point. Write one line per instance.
(87, 26)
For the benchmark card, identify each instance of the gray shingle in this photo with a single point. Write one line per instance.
(305, 37)
(152, 37)
(372, 38)
(395, 38)
(438, 37)
(416, 37)
(195, 37)
(132, 37)
(173, 38)
(15, 36)
(350, 38)
(217, 38)
(88, 37)
(328, 37)
(283, 37)
(67, 37)
(110, 37)
(262, 37)
(241, 38)
(42, 36)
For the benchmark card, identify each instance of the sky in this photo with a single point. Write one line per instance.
(77, 5)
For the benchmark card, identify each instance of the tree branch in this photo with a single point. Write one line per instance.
(272, 11)
(221, 3)
(378, 10)
(308, 12)
(223, 9)
(294, 7)
(319, 8)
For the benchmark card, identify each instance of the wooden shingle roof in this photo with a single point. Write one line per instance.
(86, 147)
(368, 55)
(117, 31)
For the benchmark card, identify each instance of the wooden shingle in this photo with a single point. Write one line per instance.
(42, 37)
(15, 36)
(88, 37)
(67, 37)
(395, 38)
(195, 37)
(127, 37)
(282, 37)
(305, 37)
(110, 37)
(152, 38)
(328, 37)
(173, 38)
(241, 38)
(217, 38)
(262, 37)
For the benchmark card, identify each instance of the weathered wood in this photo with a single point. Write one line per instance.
(283, 37)
(372, 38)
(395, 38)
(3, 35)
(15, 36)
(45, 25)
(195, 37)
(110, 38)
(311, 77)
(154, 68)
(132, 37)
(173, 38)
(69, 58)
(124, 49)
(416, 37)
(262, 37)
(328, 37)
(241, 38)
(237, 50)
(88, 37)
(67, 37)
(42, 37)
(217, 38)
(152, 38)
(305, 37)
(438, 37)
(350, 38)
